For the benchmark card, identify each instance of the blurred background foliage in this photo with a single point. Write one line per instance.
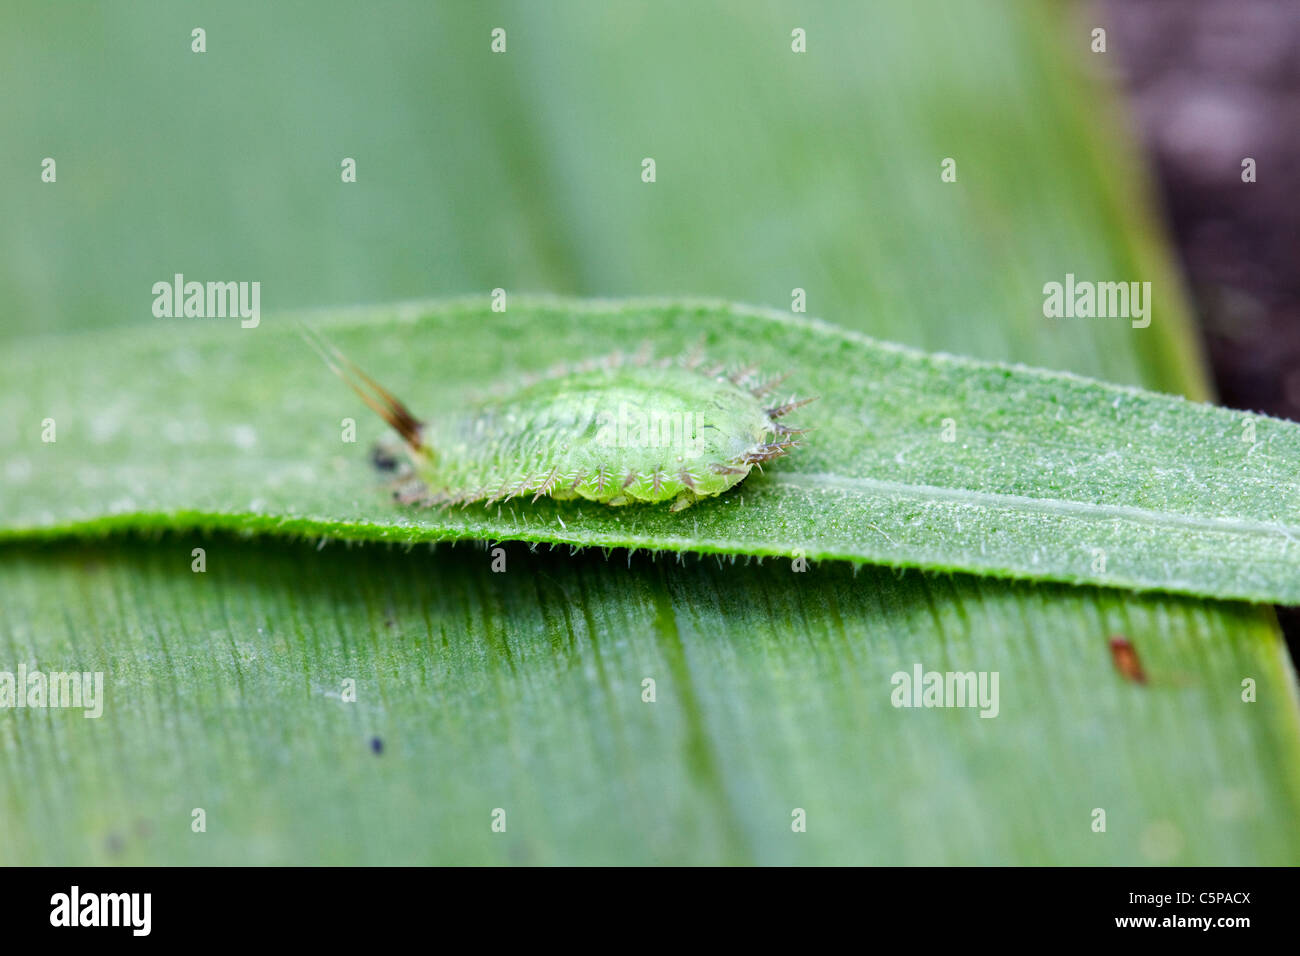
(475, 171)
(774, 171)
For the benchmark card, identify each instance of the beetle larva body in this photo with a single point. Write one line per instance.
(616, 431)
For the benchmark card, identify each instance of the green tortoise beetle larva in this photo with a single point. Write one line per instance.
(616, 431)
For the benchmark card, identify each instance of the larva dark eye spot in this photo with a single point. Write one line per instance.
(382, 458)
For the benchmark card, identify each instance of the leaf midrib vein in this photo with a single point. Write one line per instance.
(822, 481)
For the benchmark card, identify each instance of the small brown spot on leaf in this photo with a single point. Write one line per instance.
(1125, 656)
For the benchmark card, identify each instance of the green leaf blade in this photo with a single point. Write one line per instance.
(524, 690)
(915, 459)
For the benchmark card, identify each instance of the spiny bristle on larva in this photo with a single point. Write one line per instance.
(778, 410)
(548, 483)
(741, 375)
(766, 452)
(782, 429)
(619, 429)
(765, 388)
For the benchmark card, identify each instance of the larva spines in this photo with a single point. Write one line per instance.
(767, 387)
(778, 411)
